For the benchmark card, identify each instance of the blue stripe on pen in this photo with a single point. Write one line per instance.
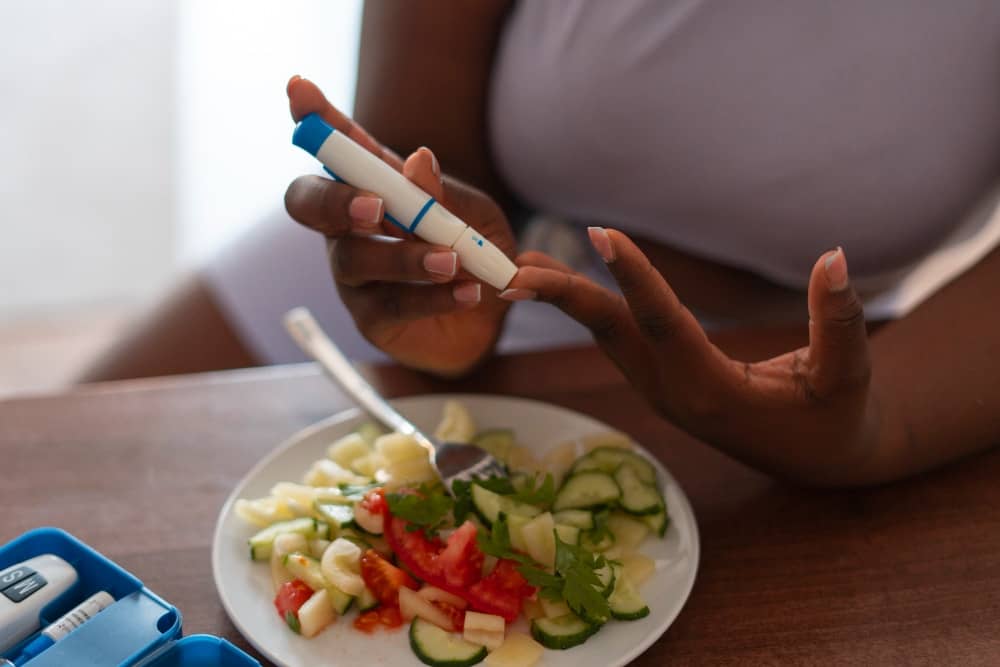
(421, 214)
(416, 220)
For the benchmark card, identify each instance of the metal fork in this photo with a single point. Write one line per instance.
(451, 460)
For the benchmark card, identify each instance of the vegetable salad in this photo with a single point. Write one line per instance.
(371, 528)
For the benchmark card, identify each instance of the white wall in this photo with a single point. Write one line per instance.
(236, 155)
(137, 135)
(86, 139)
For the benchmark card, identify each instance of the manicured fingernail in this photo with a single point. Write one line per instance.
(467, 293)
(295, 77)
(518, 294)
(366, 210)
(435, 167)
(602, 243)
(835, 267)
(441, 263)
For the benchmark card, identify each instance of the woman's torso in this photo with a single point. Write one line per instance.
(754, 134)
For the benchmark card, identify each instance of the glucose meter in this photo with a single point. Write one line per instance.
(25, 589)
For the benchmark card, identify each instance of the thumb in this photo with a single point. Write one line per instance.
(838, 340)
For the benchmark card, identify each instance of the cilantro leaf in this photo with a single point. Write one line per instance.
(581, 589)
(541, 495)
(497, 542)
(575, 580)
(501, 485)
(424, 509)
(462, 490)
(549, 585)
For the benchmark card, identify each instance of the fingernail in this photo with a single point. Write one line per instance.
(518, 294)
(441, 263)
(602, 243)
(835, 267)
(366, 210)
(467, 293)
(435, 167)
(295, 77)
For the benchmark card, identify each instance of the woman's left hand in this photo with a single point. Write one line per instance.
(810, 414)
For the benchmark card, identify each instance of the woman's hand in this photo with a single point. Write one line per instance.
(810, 414)
(409, 298)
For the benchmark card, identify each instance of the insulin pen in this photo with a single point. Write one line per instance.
(406, 205)
(76, 617)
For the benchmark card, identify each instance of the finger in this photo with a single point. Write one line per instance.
(305, 97)
(838, 340)
(423, 169)
(333, 209)
(603, 312)
(541, 260)
(384, 304)
(659, 314)
(358, 261)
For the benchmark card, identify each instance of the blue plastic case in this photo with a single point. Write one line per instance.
(139, 630)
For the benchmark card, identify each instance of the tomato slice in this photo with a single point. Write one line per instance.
(390, 617)
(501, 592)
(415, 550)
(374, 501)
(290, 598)
(383, 578)
(456, 615)
(369, 621)
(461, 561)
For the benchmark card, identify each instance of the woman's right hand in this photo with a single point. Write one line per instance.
(409, 298)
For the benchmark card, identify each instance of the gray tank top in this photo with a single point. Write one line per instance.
(756, 133)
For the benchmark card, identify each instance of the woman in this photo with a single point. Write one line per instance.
(738, 145)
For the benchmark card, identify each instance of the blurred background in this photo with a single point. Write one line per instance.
(136, 138)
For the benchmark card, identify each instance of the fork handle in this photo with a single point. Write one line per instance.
(311, 338)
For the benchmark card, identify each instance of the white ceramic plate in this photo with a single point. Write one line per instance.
(245, 586)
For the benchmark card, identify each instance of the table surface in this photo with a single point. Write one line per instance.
(903, 574)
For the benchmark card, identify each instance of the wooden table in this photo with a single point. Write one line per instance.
(905, 574)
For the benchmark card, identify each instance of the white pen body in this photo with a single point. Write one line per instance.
(406, 204)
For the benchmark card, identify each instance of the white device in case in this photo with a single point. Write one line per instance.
(406, 205)
(25, 589)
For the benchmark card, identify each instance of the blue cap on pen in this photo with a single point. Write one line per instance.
(310, 133)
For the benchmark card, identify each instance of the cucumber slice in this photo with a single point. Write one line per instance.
(608, 459)
(568, 534)
(562, 632)
(594, 544)
(316, 614)
(367, 600)
(488, 505)
(637, 497)
(261, 543)
(307, 569)
(582, 519)
(625, 602)
(587, 489)
(657, 523)
(340, 600)
(629, 531)
(337, 515)
(435, 647)
(497, 442)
